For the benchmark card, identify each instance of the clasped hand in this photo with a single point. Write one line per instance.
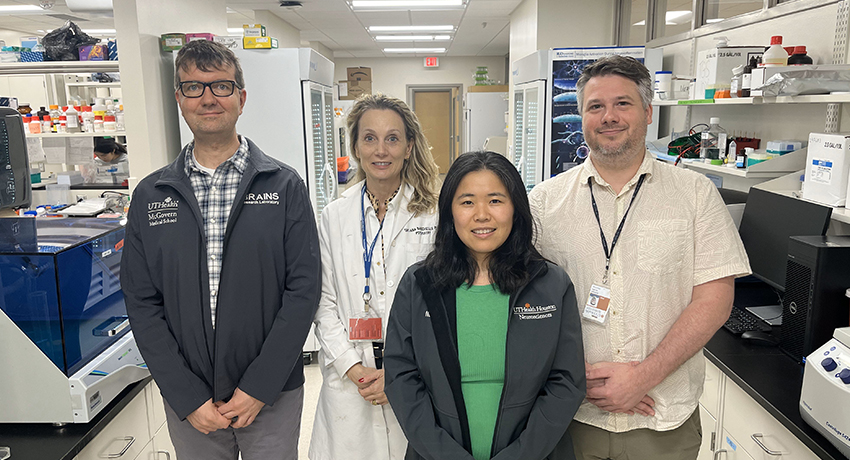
(618, 388)
(370, 383)
(239, 412)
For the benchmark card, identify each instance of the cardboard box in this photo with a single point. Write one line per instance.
(359, 88)
(230, 41)
(714, 66)
(359, 74)
(254, 43)
(253, 30)
(202, 36)
(172, 42)
(827, 168)
(30, 42)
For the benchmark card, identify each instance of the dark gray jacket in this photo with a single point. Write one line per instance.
(269, 289)
(544, 370)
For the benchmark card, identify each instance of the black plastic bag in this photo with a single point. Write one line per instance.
(61, 44)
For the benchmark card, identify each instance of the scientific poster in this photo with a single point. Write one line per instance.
(567, 143)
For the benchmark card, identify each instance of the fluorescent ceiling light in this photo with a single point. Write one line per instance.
(410, 28)
(230, 10)
(234, 30)
(712, 21)
(414, 50)
(405, 3)
(19, 8)
(99, 31)
(413, 38)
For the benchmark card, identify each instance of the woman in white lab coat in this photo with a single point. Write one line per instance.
(369, 236)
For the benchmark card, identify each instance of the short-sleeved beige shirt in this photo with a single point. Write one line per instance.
(677, 235)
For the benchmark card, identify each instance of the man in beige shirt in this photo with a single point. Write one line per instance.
(653, 253)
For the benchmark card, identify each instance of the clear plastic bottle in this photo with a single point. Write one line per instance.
(776, 54)
(109, 124)
(46, 124)
(55, 113)
(731, 154)
(62, 127)
(88, 119)
(713, 143)
(119, 118)
(98, 124)
(35, 125)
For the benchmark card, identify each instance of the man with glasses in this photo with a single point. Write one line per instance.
(221, 276)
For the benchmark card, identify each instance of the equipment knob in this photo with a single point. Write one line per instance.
(844, 375)
(829, 364)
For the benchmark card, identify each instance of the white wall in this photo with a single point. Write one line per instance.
(392, 75)
(287, 36)
(523, 30)
(148, 73)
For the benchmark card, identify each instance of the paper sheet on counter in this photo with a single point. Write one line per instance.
(34, 150)
(55, 149)
(81, 150)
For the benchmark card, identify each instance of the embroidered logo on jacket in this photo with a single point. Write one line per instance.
(529, 311)
(263, 198)
(162, 212)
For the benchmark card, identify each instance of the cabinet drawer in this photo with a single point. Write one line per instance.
(711, 389)
(156, 407)
(731, 449)
(163, 448)
(744, 418)
(130, 424)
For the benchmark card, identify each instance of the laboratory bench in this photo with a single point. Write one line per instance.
(774, 381)
(136, 413)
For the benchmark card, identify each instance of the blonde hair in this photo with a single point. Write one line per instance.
(420, 170)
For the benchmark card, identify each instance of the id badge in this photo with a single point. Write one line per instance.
(596, 308)
(365, 329)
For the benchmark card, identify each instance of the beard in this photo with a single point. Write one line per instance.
(622, 154)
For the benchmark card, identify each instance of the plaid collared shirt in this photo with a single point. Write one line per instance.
(215, 195)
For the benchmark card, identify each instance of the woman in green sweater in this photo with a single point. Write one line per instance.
(483, 354)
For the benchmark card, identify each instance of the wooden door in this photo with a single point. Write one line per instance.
(434, 110)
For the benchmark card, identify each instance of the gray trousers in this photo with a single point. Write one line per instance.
(273, 434)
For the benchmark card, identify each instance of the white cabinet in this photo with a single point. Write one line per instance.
(761, 435)
(124, 437)
(747, 430)
(138, 432)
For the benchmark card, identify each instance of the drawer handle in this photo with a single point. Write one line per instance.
(720, 451)
(130, 440)
(757, 439)
(167, 454)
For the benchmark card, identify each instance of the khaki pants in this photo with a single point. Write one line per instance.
(682, 443)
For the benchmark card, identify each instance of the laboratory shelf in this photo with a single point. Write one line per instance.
(94, 84)
(57, 135)
(18, 68)
(738, 172)
(810, 99)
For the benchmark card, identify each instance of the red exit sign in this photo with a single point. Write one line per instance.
(432, 62)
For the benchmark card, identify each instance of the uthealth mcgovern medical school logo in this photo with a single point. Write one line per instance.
(162, 212)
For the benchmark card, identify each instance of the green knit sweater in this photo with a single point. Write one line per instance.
(482, 326)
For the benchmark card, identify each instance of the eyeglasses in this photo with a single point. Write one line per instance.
(219, 88)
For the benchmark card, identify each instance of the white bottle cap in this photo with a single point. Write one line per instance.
(714, 120)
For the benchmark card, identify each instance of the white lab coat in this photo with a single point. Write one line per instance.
(346, 426)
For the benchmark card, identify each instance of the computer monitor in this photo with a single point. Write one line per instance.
(15, 187)
(769, 220)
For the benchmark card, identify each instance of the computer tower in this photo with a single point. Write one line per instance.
(817, 276)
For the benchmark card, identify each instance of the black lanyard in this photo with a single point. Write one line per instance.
(619, 228)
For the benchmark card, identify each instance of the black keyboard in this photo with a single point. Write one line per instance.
(741, 321)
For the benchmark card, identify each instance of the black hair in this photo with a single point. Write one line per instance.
(450, 264)
(108, 145)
